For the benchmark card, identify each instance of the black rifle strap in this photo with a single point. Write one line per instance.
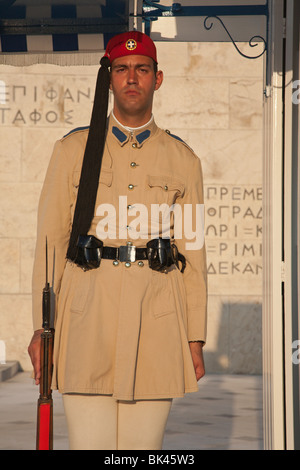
(92, 160)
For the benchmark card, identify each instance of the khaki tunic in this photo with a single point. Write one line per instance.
(120, 330)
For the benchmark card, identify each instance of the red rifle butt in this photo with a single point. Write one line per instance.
(44, 437)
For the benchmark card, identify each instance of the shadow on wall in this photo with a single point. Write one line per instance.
(238, 347)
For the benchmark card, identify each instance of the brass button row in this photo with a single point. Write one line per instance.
(127, 264)
(130, 186)
(132, 165)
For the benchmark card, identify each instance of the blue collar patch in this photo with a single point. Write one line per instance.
(122, 137)
(143, 136)
(119, 134)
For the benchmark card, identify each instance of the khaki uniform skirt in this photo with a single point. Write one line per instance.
(122, 331)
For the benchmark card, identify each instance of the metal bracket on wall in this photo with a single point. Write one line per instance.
(152, 10)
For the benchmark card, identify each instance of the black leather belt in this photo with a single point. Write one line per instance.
(124, 253)
(159, 252)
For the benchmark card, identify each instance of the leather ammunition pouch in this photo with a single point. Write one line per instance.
(89, 252)
(159, 252)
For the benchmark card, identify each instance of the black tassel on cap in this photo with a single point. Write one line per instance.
(91, 166)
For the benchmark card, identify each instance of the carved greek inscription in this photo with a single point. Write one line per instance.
(46, 104)
(233, 230)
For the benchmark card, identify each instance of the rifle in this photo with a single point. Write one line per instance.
(44, 437)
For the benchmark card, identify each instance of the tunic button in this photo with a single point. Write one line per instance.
(129, 206)
(141, 264)
(127, 264)
(133, 164)
(166, 188)
(115, 262)
(130, 186)
(134, 145)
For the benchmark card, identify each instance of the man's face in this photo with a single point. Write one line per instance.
(133, 82)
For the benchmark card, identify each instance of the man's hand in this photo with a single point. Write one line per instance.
(34, 351)
(197, 357)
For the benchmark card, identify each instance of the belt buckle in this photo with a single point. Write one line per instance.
(127, 253)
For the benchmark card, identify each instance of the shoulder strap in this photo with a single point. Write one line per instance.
(92, 160)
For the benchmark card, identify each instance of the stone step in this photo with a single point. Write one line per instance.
(9, 369)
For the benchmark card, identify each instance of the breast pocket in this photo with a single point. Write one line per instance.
(164, 189)
(105, 182)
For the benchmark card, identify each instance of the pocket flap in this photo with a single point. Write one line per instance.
(167, 183)
(106, 176)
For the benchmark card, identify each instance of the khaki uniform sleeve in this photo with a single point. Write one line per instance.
(54, 222)
(191, 245)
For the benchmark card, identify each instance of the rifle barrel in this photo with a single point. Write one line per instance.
(44, 436)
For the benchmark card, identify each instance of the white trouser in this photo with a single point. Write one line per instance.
(99, 422)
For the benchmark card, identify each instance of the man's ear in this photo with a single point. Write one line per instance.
(159, 79)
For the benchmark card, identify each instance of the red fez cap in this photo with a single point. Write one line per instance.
(132, 42)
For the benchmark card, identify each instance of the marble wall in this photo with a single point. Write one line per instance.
(212, 98)
(218, 111)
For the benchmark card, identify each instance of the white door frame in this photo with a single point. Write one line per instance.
(281, 230)
(291, 226)
(272, 328)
